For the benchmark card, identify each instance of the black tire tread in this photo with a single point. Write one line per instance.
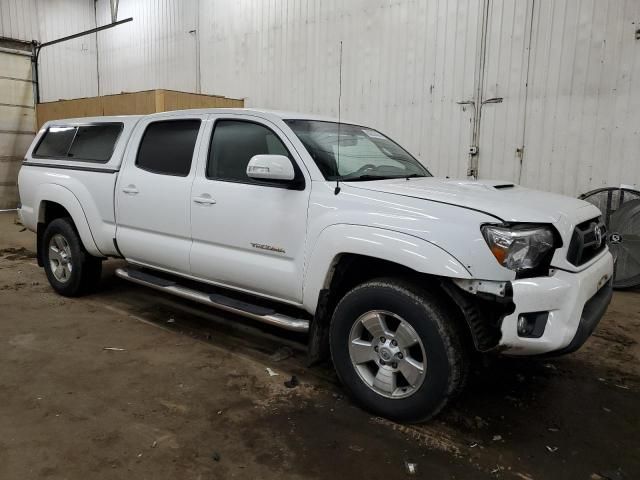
(87, 268)
(450, 332)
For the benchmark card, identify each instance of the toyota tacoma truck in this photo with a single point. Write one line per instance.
(321, 227)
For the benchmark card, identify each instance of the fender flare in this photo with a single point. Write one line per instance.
(51, 192)
(400, 248)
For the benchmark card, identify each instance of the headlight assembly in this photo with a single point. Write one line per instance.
(519, 247)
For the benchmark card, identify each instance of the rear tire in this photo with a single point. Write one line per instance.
(420, 365)
(70, 269)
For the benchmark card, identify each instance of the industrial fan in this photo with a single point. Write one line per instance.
(621, 209)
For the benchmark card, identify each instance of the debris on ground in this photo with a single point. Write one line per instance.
(171, 320)
(293, 383)
(154, 444)
(552, 449)
(219, 412)
(497, 438)
(410, 467)
(553, 429)
(114, 349)
(356, 448)
(473, 444)
(608, 410)
(271, 372)
(480, 422)
(281, 354)
(608, 475)
(215, 456)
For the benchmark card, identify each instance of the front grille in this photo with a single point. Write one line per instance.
(587, 241)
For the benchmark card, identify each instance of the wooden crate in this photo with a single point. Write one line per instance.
(135, 103)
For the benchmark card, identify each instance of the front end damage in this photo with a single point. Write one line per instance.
(549, 315)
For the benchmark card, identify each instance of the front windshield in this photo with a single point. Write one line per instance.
(360, 154)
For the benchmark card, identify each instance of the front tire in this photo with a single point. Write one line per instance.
(397, 349)
(70, 269)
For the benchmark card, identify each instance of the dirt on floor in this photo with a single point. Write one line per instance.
(127, 383)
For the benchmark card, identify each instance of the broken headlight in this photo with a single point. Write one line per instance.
(519, 247)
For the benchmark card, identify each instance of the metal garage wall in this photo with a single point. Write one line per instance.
(67, 70)
(565, 69)
(156, 50)
(406, 64)
(583, 106)
(569, 72)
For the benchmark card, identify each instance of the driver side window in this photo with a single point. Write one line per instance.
(234, 143)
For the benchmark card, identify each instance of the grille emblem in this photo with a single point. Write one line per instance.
(597, 232)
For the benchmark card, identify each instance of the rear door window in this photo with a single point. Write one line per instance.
(89, 143)
(167, 147)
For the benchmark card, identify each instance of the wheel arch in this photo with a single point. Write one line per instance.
(56, 201)
(347, 255)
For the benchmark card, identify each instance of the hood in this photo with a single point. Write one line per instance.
(505, 200)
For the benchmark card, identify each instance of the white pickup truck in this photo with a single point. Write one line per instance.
(320, 227)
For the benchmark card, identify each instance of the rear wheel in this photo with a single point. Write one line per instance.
(71, 270)
(397, 349)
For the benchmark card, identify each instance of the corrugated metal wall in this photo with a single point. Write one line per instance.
(565, 70)
(406, 64)
(569, 72)
(67, 70)
(156, 50)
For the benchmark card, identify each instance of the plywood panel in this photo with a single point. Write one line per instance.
(173, 100)
(83, 107)
(138, 103)
(135, 103)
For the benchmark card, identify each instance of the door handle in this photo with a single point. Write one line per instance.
(204, 199)
(130, 189)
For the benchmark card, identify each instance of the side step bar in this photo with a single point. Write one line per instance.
(217, 300)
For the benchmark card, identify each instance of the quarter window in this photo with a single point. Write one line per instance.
(91, 143)
(234, 143)
(167, 147)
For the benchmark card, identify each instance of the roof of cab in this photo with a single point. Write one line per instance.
(262, 113)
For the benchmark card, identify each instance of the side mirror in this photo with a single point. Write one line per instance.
(270, 167)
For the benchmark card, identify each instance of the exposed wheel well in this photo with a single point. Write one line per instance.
(350, 270)
(48, 212)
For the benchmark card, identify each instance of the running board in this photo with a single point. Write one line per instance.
(217, 300)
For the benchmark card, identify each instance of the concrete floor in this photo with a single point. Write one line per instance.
(189, 397)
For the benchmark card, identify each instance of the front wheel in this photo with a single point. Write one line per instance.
(397, 349)
(71, 270)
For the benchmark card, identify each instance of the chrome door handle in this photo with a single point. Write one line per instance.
(204, 200)
(130, 189)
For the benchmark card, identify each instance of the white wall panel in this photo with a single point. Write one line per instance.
(583, 106)
(567, 70)
(156, 50)
(19, 19)
(67, 70)
(406, 64)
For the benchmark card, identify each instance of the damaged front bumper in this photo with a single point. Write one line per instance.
(536, 316)
(565, 306)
